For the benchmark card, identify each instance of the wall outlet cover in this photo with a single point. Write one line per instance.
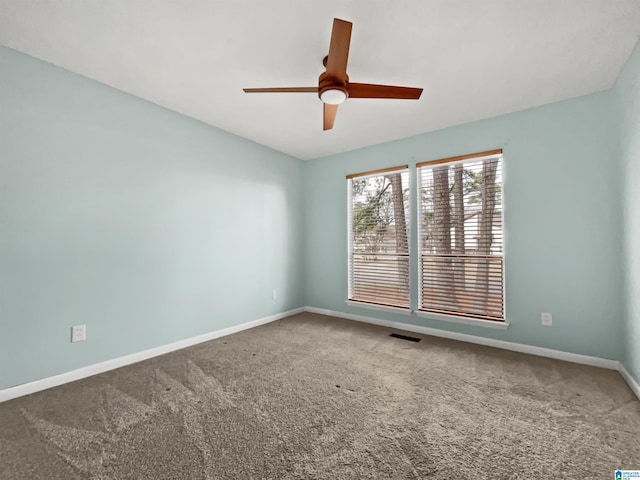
(78, 333)
(547, 319)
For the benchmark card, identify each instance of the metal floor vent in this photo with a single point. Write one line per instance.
(405, 337)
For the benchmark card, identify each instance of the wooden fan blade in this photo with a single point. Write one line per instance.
(339, 50)
(370, 90)
(329, 116)
(282, 90)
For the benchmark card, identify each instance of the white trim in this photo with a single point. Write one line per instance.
(96, 368)
(490, 342)
(476, 322)
(382, 308)
(632, 382)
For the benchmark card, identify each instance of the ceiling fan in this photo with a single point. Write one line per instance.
(334, 86)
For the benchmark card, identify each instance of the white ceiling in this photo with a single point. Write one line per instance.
(475, 58)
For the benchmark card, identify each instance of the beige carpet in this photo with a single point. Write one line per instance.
(323, 398)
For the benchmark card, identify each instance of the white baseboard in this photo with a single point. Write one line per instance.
(632, 382)
(96, 368)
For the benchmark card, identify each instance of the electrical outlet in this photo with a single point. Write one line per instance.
(78, 333)
(547, 319)
(274, 295)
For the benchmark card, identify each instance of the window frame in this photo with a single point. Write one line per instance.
(459, 317)
(363, 303)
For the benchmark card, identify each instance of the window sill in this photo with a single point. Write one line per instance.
(476, 322)
(381, 308)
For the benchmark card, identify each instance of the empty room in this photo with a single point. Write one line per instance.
(291, 239)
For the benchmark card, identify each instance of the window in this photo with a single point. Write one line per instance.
(460, 236)
(379, 237)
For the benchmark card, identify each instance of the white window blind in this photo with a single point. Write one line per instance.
(378, 226)
(460, 236)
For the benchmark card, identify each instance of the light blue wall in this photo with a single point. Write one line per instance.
(562, 222)
(627, 91)
(148, 226)
(151, 227)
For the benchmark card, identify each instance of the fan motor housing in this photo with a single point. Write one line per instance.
(326, 82)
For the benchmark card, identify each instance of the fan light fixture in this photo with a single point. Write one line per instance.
(333, 96)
